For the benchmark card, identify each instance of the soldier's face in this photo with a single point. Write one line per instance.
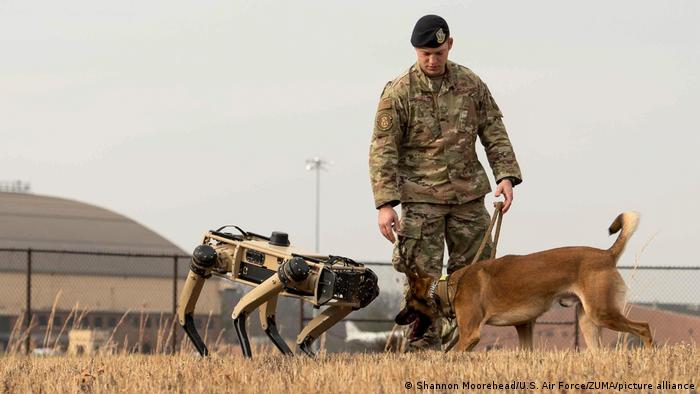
(432, 60)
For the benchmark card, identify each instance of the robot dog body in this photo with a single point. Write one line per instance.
(274, 268)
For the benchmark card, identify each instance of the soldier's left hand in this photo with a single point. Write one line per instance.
(505, 187)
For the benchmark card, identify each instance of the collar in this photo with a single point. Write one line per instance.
(440, 297)
(431, 291)
(423, 81)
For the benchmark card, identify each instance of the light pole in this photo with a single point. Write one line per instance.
(317, 164)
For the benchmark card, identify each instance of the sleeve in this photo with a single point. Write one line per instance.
(384, 150)
(494, 138)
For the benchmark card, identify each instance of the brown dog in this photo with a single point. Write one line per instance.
(516, 290)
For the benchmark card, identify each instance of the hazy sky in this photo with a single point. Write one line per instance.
(189, 115)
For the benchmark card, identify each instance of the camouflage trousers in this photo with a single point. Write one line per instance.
(425, 229)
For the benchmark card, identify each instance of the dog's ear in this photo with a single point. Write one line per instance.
(419, 286)
(405, 316)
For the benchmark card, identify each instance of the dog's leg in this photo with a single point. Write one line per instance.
(525, 335)
(618, 322)
(591, 331)
(469, 332)
(604, 306)
(467, 341)
(470, 316)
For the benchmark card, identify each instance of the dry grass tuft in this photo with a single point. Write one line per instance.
(384, 372)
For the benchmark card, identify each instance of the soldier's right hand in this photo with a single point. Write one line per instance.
(388, 222)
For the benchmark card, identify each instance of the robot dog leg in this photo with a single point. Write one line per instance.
(269, 324)
(262, 294)
(289, 274)
(319, 325)
(203, 259)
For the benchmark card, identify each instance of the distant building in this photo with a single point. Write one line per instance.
(87, 342)
(101, 288)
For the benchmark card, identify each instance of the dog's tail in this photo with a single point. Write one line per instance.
(627, 222)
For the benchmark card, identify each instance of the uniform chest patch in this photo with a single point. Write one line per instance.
(384, 121)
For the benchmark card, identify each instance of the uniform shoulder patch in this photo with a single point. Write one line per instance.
(384, 121)
(401, 78)
(384, 104)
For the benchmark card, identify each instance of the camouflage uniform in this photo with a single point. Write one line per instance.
(423, 156)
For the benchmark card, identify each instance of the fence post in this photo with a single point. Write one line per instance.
(174, 324)
(28, 317)
(576, 328)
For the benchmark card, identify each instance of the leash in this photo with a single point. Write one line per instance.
(497, 214)
(440, 289)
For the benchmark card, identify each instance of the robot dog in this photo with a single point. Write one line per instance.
(274, 268)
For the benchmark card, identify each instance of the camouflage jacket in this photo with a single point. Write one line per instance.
(423, 145)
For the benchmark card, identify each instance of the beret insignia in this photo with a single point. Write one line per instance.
(384, 121)
(440, 36)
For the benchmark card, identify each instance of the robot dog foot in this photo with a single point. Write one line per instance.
(276, 338)
(192, 333)
(305, 347)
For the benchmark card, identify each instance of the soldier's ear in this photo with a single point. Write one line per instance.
(449, 43)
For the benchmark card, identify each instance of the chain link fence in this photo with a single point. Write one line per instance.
(51, 298)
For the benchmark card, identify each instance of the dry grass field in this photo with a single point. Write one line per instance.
(387, 372)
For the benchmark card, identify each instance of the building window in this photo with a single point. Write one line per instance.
(5, 323)
(42, 320)
(112, 321)
(97, 322)
(57, 321)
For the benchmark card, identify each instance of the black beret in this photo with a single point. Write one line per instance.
(430, 31)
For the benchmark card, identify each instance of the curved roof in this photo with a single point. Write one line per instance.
(43, 222)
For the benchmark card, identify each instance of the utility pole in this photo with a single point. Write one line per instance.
(317, 164)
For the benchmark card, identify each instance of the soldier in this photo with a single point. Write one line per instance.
(423, 157)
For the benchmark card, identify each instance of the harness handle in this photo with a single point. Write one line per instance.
(497, 214)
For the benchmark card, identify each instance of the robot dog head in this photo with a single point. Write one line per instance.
(419, 310)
